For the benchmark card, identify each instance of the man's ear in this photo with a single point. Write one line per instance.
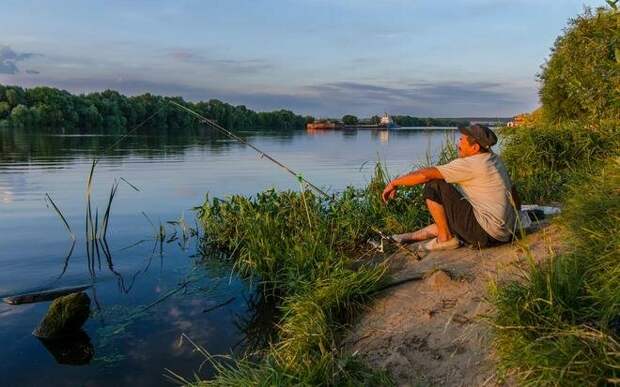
(476, 147)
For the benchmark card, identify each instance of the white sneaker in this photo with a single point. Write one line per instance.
(435, 244)
(399, 238)
(402, 238)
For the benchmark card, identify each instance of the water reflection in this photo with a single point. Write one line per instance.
(258, 324)
(19, 146)
(74, 350)
(25, 146)
(384, 136)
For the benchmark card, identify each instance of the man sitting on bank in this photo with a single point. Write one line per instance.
(480, 209)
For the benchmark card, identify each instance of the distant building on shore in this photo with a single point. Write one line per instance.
(387, 122)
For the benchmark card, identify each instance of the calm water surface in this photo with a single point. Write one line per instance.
(140, 308)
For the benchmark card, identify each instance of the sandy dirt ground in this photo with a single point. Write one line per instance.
(432, 331)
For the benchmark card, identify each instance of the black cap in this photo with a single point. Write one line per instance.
(482, 134)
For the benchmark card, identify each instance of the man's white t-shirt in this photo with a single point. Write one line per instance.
(484, 182)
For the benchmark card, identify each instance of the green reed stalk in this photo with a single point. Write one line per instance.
(61, 215)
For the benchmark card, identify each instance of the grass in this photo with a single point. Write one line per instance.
(298, 236)
(560, 324)
(543, 158)
(309, 253)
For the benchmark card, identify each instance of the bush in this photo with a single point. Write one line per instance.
(581, 79)
(542, 158)
(560, 325)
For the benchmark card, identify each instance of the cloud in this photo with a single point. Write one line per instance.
(6, 53)
(442, 98)
(416, 92)
(232, 66)
(9, 59)
(8, 67)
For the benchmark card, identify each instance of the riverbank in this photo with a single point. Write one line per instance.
(309, 254)
(435, 330)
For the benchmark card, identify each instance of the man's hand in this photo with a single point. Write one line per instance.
(420, 176)
(389, 192)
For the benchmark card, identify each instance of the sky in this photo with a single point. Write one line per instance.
(324, 58)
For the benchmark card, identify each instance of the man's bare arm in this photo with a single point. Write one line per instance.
(420, 176)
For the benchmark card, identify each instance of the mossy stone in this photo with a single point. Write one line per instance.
(65, 316)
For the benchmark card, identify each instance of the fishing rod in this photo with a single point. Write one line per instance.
(262, 154)
(391, 239)
(217, 126)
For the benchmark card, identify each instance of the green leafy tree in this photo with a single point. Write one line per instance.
(581, 80)
(350, 119)
(5, 110)
(22, 116)
(112, 112)
(14, 96)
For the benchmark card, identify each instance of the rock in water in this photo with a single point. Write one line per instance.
(65, 316)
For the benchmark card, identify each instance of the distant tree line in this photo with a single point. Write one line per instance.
(428, 121)
(408, 121)
(52, 109)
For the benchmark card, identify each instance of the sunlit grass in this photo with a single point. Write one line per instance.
(543, 158)
(560, 323)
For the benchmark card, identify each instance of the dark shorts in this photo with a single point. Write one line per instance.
(459, 212)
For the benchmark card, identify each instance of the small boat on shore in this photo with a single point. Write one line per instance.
(323, 125)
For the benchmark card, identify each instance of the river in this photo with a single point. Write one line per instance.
(146, 294)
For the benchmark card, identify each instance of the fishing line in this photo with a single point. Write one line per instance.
(141, 124)
(301, 179)
(262, 154)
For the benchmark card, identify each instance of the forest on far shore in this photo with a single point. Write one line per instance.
(54, 110)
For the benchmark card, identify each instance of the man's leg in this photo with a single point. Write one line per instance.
(422, 234)
(441, 221)
(437, 194)
(434, 195)
(458, 213)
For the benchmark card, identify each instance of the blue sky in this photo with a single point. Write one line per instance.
(319, 57)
